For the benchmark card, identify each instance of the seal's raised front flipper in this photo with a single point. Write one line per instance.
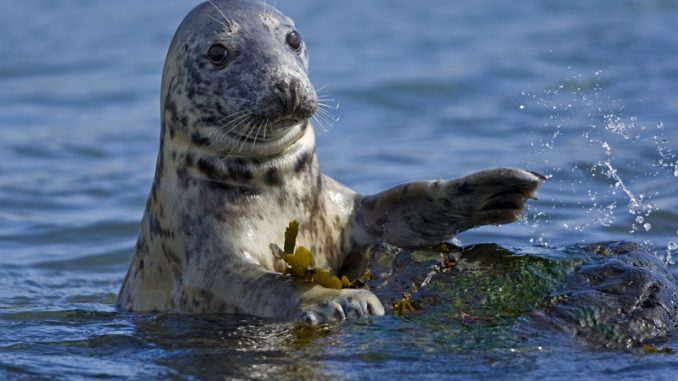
(427, 212)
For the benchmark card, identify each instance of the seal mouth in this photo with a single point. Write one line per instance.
(266, 131)
(286, 122)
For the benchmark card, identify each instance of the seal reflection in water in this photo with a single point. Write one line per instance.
(237, 162)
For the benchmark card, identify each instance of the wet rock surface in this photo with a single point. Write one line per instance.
(614, 295)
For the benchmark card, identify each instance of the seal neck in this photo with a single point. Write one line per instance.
(205, 163)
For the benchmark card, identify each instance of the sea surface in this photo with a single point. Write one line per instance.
(581, 91)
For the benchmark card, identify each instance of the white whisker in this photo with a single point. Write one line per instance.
(243, 122)
(266, 128)
(247, 137)
(321, 88)
(231, 117)
(236, 122)
(219, 22)
(229, 22)
(256, 134)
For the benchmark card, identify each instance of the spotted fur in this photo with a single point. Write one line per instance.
(237, 162)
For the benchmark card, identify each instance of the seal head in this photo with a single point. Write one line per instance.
(228, 91)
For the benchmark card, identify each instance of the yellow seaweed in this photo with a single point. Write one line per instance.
(403, 307)
(300, 262)
(325, 279)
(650, 349)
(291, 236)
(345, 282)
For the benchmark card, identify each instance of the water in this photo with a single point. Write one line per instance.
(583, 92)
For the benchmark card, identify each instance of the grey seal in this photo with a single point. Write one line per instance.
(237, 162)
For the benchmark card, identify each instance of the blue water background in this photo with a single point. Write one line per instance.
(430, 89)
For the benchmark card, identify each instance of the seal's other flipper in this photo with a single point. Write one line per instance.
(427, 212)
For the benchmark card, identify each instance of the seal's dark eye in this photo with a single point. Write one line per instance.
(294, 40)
(218, 54)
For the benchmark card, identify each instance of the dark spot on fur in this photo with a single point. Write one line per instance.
(188, 160)
(220, 109)
(240, 172)
(230, 192)
(142, 246)
(210, 119)
(199, 140)
(208, 168)
(171, 108)
(236, 170)
(154, 193)
(156, 228)
(273, 177)
(302, 162)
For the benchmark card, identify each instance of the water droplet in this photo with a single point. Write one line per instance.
(647, 227)
(640, 219)
(675, 171)
(522, 107)
(673, 245)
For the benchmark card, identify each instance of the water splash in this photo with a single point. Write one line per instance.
(576, 111)
(670, 248)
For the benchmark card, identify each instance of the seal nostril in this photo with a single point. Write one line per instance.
(289, 95)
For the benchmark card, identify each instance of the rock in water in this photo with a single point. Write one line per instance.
(610, 295)
(621, 298)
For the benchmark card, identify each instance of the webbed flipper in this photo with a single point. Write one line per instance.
(427, 212)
